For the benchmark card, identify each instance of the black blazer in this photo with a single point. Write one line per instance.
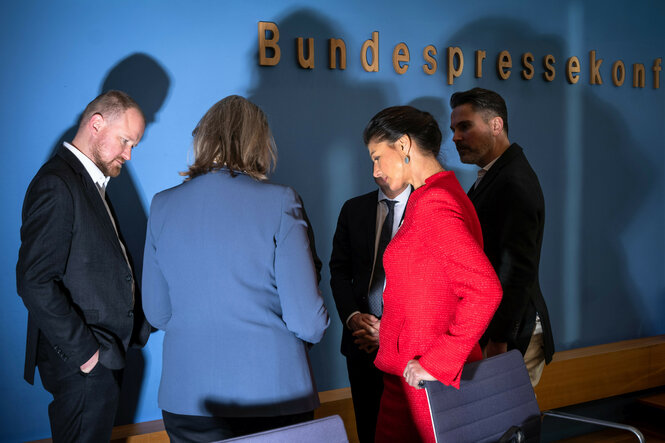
(511, 209)
(71, 272)
(351, 263)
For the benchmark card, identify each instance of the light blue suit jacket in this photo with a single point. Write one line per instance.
(228, 275)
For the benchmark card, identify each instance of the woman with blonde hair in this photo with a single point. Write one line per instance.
(228, 276)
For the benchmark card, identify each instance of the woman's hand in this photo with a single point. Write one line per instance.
(414, 373)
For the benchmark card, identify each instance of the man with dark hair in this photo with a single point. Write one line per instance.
(511, 210)
(366, 224)
(74, 274)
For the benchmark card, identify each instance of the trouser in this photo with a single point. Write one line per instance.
(534, 358)
(84, 405)
(366, 389)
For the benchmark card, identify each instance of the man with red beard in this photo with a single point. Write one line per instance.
(74, 274)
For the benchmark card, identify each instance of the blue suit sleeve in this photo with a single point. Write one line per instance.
(156, 300)
(303, 310)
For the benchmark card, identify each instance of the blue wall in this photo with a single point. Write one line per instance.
(599, 149)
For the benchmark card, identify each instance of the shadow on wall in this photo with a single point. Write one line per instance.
(317, 117)
(437, 106)
(147, 82)
(591, 173)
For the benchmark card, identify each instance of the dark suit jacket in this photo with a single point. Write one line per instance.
(351, 263)
(511, 210)
(71, 272)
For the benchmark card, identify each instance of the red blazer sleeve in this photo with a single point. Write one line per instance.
(453, 234)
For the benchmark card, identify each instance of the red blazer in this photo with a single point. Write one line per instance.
(441, 290)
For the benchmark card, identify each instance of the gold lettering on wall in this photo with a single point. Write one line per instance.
(503, 65)
(480, 56)
(401, 58)
(337, 46)
(307, 63)
(265, 43)
(527, 60)
(452, 71)
(573, 70)
(594, 69)
(638, 75)
(618, 73)
(656, 72)
(430, 62)
(373, 45)
(548, 63)
(270, 55)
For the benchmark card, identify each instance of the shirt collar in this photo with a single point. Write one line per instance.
(400, 199)
(490, 164)
(95, 173)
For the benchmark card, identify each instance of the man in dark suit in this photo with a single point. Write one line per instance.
(75, 276)
(357, 280)
(511, 209)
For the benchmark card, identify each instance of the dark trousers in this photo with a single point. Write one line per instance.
(84, 405)
(196, 428)
(366, 389)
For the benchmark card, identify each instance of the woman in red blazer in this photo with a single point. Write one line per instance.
(441, 291)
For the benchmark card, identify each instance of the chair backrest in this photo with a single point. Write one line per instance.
(327, 429)
(495, 394)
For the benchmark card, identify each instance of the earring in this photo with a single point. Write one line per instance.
(407, 159)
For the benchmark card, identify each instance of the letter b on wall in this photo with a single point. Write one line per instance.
(265, 43)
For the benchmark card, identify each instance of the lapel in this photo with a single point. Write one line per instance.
(91, 193)
(511, 153)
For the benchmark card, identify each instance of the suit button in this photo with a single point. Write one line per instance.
(128, 277)
(130, 313)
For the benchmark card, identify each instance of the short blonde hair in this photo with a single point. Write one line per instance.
(109, 105)
(234, 133)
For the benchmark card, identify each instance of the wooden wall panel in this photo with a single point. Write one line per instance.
(574, 376)
(586, 374)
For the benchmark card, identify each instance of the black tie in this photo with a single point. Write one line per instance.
(379, 275)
